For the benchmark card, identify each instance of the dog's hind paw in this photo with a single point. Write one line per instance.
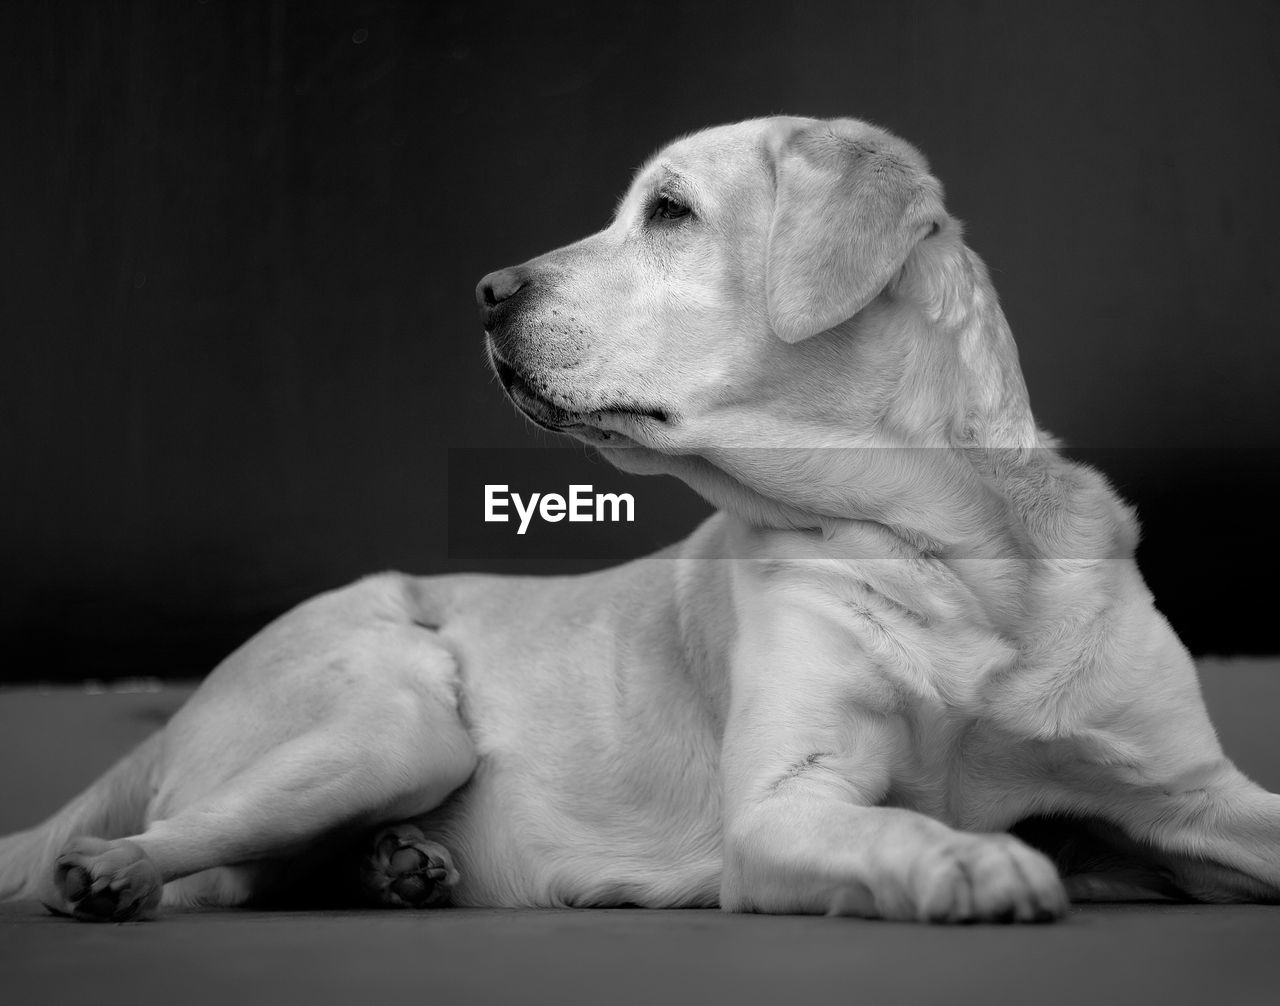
(105, 881)
(405, 869)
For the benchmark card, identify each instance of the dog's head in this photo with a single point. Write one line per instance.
(742, 297)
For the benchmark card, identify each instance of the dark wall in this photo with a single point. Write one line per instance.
(239, 243)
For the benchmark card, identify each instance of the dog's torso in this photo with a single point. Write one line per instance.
(598, 709)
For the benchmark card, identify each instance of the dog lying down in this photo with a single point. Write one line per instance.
(912, 633)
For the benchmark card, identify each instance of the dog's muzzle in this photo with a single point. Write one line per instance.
(495, 297)
(500, 312)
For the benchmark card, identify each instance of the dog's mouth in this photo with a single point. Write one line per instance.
(556, 418)
(546, 414)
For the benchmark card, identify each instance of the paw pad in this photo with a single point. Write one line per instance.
(405, 869)
(102, 881)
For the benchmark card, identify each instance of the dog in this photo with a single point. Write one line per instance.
(909, 670)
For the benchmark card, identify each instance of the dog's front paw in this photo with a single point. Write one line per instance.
(986, 878)
(404, 869)
(101, 881)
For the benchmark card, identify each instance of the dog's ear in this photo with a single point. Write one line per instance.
(850, 203)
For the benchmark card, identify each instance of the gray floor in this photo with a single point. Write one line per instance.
(52, 743)
(1101, 954)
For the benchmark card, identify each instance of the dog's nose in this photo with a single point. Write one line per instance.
(496, 288)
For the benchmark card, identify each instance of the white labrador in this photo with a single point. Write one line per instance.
(912, 626)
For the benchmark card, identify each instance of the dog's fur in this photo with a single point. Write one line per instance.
(913, 627)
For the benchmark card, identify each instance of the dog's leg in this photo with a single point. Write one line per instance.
(803, 835)
(1149, 763)
(1209, 832)
(1217, 842)
(342, 716)
(301, 792)
(807, 760)
(1208, 835)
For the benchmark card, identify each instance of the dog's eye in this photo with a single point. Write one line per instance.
(666, 208)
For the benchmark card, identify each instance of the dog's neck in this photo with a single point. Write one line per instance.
(1053, 506)
(947, 457)
(978, 480)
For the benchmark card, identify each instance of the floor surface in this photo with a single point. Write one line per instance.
(1100, 954)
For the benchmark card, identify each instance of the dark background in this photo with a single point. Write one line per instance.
(238, 243)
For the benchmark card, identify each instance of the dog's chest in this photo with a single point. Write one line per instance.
(963, 770)
(923, 656)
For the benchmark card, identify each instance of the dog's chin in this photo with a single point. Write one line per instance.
(536, 408)
(612, 424)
